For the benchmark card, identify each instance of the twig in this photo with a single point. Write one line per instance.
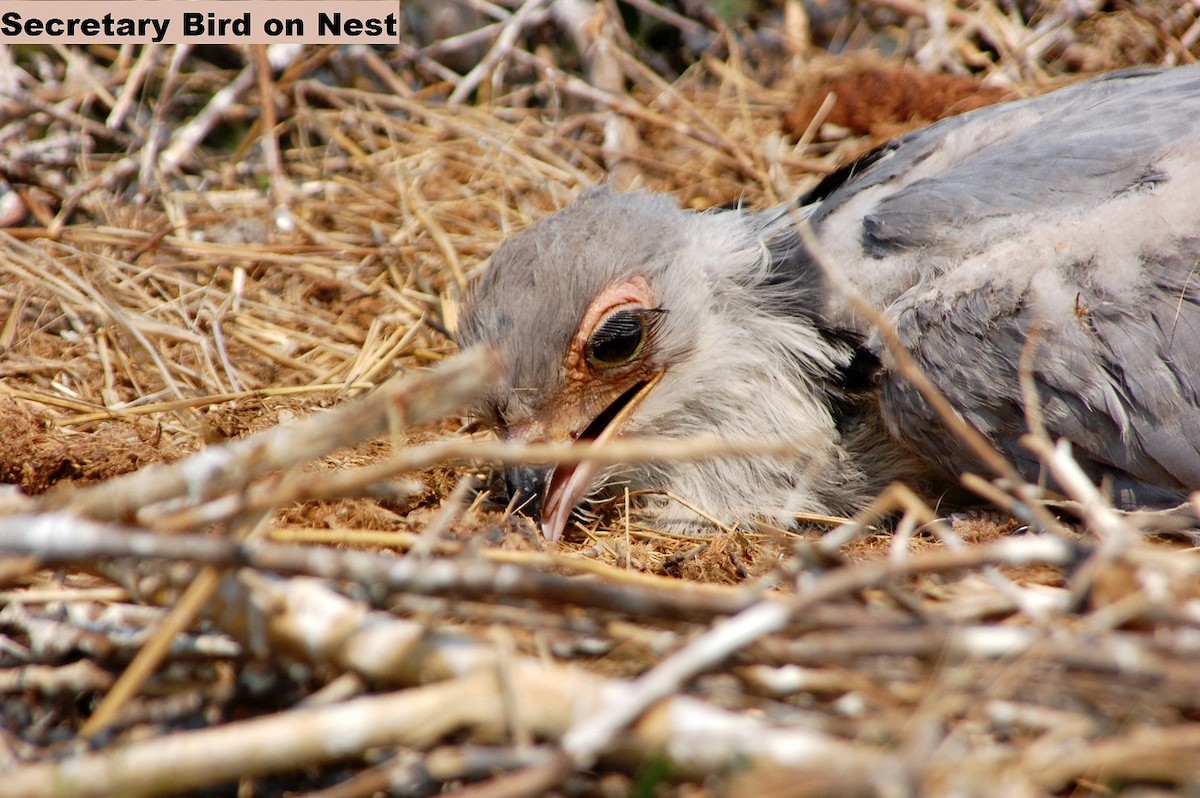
(145, 62)
(302, 615)
(60, 538)
(628, 106)
(420, 398)
(685, 24)
(151, 149)
(509, 31)
(597, 733)
(303, 486)
(189, 137)
(280, 190)
(1115, 535)
(597, 40)
(151, 655)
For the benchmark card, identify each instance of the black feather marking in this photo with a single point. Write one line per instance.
(844, 174)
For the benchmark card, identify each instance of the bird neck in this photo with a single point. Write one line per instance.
(875, 458)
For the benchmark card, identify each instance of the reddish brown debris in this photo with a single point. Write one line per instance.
(886, 100)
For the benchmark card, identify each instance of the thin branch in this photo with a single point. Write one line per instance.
(421, 398)
(510, 30)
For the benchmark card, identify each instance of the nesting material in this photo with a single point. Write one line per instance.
(247, 536)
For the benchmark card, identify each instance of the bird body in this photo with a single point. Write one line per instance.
(1068, 222)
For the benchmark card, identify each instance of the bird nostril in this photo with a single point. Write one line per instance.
(526, 487)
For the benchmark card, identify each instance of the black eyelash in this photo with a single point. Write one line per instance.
(654, 318)
(622, 336)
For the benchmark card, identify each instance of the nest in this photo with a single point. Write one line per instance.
(246, 541)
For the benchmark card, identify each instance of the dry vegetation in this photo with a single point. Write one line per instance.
(238, 556)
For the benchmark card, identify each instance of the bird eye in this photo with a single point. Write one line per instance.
(617, 340)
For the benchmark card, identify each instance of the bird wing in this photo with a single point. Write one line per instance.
(1074, 217)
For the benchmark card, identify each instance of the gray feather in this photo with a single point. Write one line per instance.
(1077, 213)
(1073, 148)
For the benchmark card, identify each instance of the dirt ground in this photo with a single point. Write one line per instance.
(234, 561)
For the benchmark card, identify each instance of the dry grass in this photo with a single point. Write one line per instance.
(175, 282)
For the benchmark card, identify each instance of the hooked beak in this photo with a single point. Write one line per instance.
(553, 492)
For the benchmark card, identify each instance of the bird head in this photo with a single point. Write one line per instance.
(622, 315)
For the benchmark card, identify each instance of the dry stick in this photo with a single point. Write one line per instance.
(80, 676)
(1115, 535)
(420, 398)
(527, 782)
(509, 31)
(452, 507)
(920, 10)
(543, 560)
(295, 487)
(151, 408)
(365, 649)
(153, 652)
(597, 732)
(418, 717)
(459, 41)
(11, 75)
(80, 122)
(1145, 753)
(37, 207)
(685, 24)
(24, 596)
(371, 781)
(498, 11)
(87, 84)
(280, 192)
(150, 152)
(303, 615)
(358, 482)
(190, 136)
(149, 656)
(216, 318)
(894, 496)
(195, 597)
(626, 105)
(59, 538)
(622, 144)
(178, 762)
(113, 174)
(380, 69)
(430, 65)
(146, 61)
(410, 774)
